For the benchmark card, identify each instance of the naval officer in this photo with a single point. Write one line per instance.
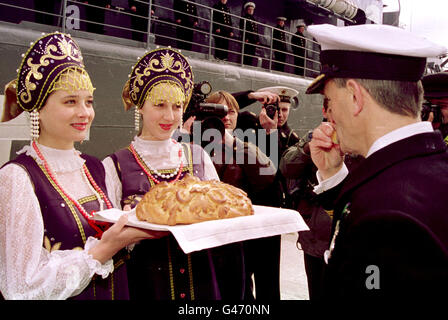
(389, 236)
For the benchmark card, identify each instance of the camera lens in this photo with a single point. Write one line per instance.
(270, 110)
(205, 87)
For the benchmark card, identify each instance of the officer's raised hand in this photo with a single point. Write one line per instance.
(325, 150)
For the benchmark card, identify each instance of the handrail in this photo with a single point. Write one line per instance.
(205, 29)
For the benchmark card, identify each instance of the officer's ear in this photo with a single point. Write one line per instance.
(357, 93)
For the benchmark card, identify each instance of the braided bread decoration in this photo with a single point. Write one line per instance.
(191, 200)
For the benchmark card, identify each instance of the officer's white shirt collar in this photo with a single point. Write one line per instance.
(399, 134)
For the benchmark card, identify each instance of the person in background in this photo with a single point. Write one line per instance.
(296, 165)
(222, 28)
(251, 177)
(389, 227)
(50, 246)
(280, 136)
(276, 124)
(249, 28)
(242, 165)
(278, 133)
(279, 45)
(139, 19)
(436, 94)
(248, 120)
(186, 17)
(95, 13)
(159, 269)
(298, 44)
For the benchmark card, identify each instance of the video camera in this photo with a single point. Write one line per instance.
(202, 110)
(434, 108)
(209, 114)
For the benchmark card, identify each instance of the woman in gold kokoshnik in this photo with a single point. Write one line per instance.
(50, 248)
(160, 87)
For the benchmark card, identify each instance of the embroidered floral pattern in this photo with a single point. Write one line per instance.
(49, 246)
(160, 65)
(132, 200)
(46, 59)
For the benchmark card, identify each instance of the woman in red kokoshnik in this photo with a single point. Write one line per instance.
(50, 248)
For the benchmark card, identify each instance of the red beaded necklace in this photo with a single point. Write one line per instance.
(99, 227)
(156, 181)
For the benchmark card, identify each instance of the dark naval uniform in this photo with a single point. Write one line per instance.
(390, 224)
(251, 36)
(188, 15)
(279, 43)
(223, 22)
(298, 48)
(285, 137)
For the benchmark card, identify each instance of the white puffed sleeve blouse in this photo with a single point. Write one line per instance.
(27, 269)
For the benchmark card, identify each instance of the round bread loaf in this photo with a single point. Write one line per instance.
(191, 200)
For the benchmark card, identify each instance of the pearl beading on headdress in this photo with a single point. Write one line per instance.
(34, 124)
(136, 119)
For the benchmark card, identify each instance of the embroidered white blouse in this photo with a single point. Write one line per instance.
(159, 155)
(27, 269)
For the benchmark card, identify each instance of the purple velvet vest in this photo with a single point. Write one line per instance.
(158, 268)
(67, 229)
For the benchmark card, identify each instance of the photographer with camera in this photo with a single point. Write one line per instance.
(244, 165)
(220, 111)
(435, 109)
(241, 164)
(273, 118)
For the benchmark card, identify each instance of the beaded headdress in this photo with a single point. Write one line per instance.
(160, 66)
(53, 62)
